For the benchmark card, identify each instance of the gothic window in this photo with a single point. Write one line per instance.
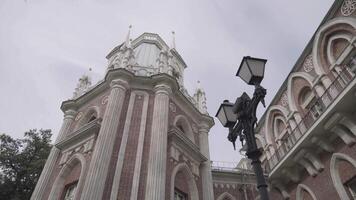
(351, 185)
(179, 195)
(70, 191)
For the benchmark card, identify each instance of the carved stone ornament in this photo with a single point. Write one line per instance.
(79, 116)
(172, 107)
(284, 100)
(83, 148)
(105, 100)
(308, 64)
(194, 128)
(348, 7)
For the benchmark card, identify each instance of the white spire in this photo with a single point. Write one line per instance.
(173, 40)
(200, 98)
(128, 41)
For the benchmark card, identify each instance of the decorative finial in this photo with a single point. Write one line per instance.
(173, 40)
(128, 41)
(83, 85)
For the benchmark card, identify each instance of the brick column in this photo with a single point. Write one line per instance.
(99, 166)
(47, 171)
(156, 175)
(206, 176)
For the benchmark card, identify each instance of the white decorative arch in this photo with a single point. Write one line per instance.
(268, 133)
(226, 195)
(283, 119)
(193, 190)
(319, 36)
(292, 104)
(186, 126)
(58, 184)
(335, 175)
(299, 193)
(330, 56)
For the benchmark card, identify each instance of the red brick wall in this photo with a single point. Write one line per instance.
(131, 149)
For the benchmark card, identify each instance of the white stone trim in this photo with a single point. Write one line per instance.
(300, 188)
(193, 190)
(226, 195)
(58, 185)
(335, 175)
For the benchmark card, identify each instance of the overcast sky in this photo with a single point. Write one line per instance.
(45, 46)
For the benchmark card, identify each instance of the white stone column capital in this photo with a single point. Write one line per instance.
(162, 88)
(204, 128)
(119, 83)
(70, 114)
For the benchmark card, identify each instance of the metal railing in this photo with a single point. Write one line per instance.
(228, 166)
(317, 108)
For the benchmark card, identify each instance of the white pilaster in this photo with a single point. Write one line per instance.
(99, 166)
(156, 174)
(207, 179)
(47, 171)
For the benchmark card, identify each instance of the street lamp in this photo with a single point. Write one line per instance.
(241, 119)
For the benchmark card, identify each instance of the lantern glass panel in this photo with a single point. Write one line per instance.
(257, 67)
(244, 72)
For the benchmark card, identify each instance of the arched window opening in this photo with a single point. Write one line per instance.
(309, 103)
(345, 182)
(70, 190)
(351, 186)
(179, 195)
(92, 118)
(182, 124)
(305, 193)
(183, 186)
(90, 115)
(69, 179)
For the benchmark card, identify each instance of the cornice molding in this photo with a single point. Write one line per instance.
(82, 134)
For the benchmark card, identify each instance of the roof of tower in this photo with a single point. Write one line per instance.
(151, 38)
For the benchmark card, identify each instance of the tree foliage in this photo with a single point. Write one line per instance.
(21, 163)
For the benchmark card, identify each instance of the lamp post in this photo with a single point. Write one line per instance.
(240, 117)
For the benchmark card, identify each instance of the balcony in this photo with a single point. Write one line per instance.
(336, 98)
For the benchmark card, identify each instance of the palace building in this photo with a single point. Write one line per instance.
(137, 134)
(308, 132)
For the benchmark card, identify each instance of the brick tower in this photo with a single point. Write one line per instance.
(136, 134)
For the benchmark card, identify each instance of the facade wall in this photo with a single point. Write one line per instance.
(322, 185)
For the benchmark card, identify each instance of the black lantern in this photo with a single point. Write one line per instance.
(251, 70)
(241, 119)
(226, 115)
